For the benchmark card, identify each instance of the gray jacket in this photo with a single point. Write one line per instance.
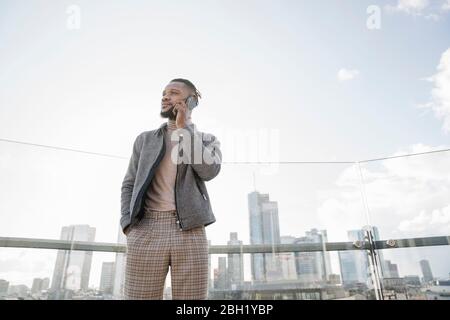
(191, 197)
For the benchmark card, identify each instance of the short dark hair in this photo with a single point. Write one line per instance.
(190, 85)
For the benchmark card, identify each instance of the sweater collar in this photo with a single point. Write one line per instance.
(170, 124)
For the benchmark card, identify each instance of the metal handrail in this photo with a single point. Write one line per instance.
(32, 243)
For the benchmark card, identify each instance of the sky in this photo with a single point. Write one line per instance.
(281, 81)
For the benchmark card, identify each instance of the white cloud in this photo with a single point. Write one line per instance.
(435, 167)
(413, 7)
(440, 94)
(425, 8)
(401, 194)
(438, 219)
(446, 5)
(347, 74)
(21, 266)
(407, 197)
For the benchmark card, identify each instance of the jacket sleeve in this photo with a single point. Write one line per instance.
(128, 184)
(205, 155)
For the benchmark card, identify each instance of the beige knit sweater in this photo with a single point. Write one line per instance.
(160, 194)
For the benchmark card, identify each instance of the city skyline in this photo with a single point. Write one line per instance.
(222, 277)
(70, 232)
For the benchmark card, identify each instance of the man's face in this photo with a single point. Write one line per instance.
(173, 92)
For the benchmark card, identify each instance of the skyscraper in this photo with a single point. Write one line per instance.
(313, 266)
(107, 278)
(354, 264)
(72, 267)
(4, 285)
(235, 263)
(39, 285)
(382, 262)
(36, 286)
(287, 260)
(390, 270)
(221, 275)
(426, 270)
(264, 229)
(119, 267)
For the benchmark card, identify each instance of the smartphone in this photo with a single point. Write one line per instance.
(190, 103)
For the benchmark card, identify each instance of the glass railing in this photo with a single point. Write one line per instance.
(66, 269)
(409, 197)
(302, 230)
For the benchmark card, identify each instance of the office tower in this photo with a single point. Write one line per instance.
(376, 237)
(20, 290)
(426, 270)
(390, 270)
(235, 263)
(72, 267)
(313, 266)
(119, 267)
(4, 285)
(39, 285)
(107, 278)
(264, 229)
(287, 260)
(221, 274)
(354, 264)
(45, 284)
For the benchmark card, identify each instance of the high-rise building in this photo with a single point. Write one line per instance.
(36, 287)
(354, 264)
(313, 266)
(4, 285)
(39, 285)
(390, 270)
(287, 260)
(221, 277)
(45, 284)
(235, 263)
(264, 229)
(107, 278)
(72, 267)
(426, 270)
(20, 290)
(381, 261)
(119, 267)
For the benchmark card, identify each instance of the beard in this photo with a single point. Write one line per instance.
(168, 114)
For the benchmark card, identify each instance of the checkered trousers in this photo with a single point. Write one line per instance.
(157, 242)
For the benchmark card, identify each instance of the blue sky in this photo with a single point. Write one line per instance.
(270, 65)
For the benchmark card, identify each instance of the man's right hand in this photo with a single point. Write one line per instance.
(126, 230)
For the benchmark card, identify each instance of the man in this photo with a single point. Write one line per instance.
(165, 206)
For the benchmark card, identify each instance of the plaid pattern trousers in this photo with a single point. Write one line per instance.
(157, 242)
